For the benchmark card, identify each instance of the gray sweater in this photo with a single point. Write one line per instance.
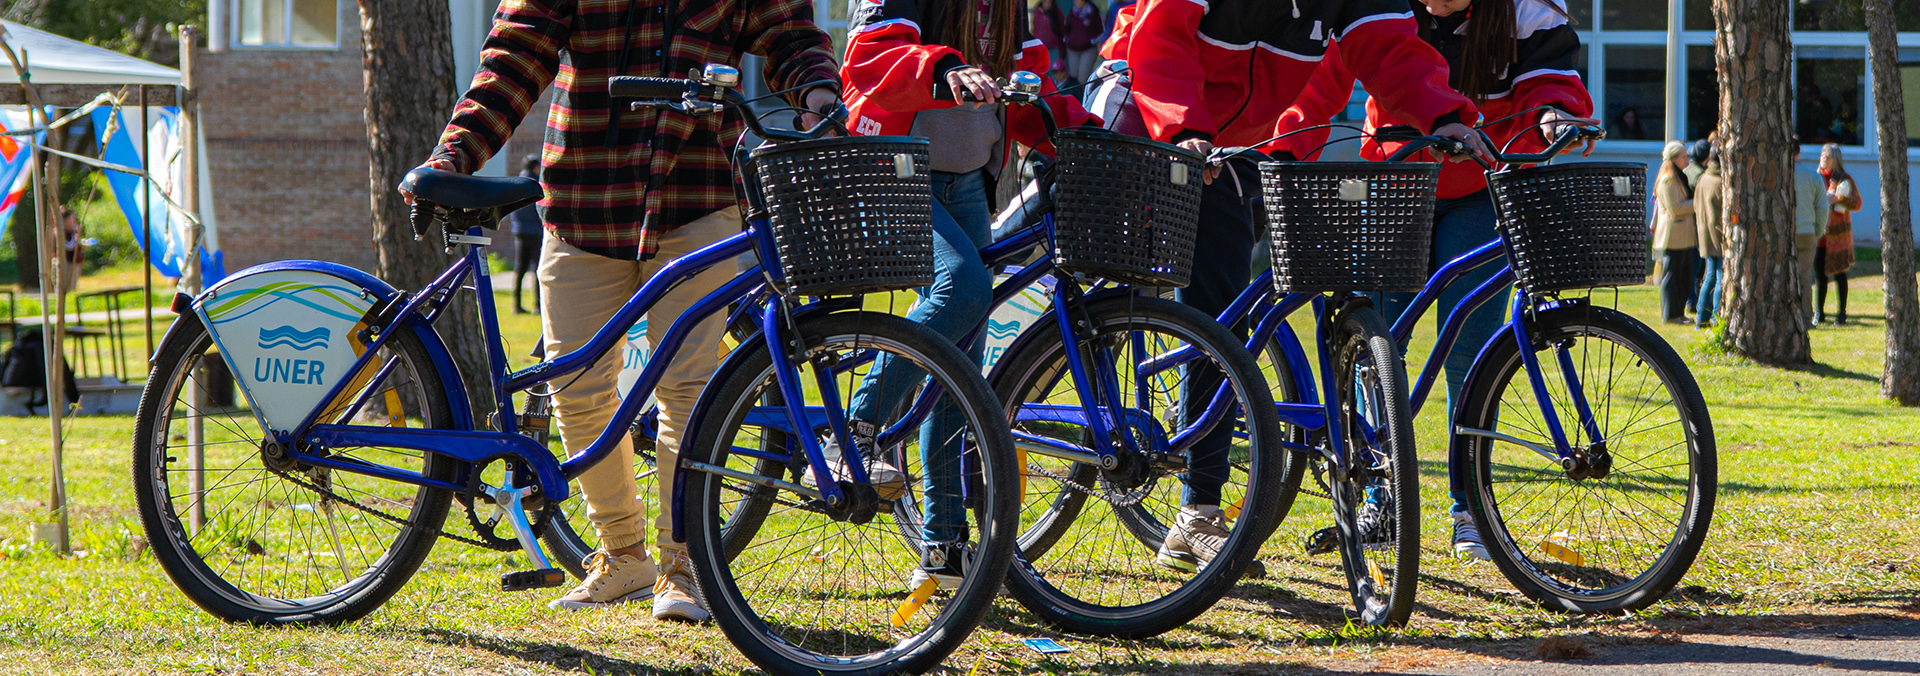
(963, 138)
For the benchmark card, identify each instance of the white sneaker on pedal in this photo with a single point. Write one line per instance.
(944, 563)
(677, 595)
(888, 481)
(1466, 538)
(610, 581)
(1195, 538)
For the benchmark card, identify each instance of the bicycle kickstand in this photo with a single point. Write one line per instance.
(544, 575)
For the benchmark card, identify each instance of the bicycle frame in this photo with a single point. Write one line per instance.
(1100, 408)
(475, 448)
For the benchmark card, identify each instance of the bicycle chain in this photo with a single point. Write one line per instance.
(1126, 499)
(328, 492)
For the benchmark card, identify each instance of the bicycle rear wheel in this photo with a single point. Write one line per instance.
(1611, 543)
(1376, 507)
(280, 543)
(1104, 570)
(814, 590)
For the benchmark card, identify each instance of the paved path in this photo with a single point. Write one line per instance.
(1876, 648)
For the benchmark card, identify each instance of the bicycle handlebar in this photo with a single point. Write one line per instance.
(716, 82)
(1459, 148)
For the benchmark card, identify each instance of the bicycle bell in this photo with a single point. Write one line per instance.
(721, 75)
(1024, 82)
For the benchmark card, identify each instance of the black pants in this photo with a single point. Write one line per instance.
(526, 260)
(1676, 281)
(1820, 291)
(1222, 264)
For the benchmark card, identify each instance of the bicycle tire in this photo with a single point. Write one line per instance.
(1365, 350)
(1551, 581)
(215, 589)
(1039, 363)
(747, 623)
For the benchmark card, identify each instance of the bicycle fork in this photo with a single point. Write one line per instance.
(1595, 462)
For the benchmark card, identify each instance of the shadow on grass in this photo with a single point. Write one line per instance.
(555, 655)
(1820, 370)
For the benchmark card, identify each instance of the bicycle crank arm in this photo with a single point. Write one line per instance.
(1496, 436)
(545, 575)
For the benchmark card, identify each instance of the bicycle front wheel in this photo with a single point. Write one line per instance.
(1376, 506)
(1096, 556)
(812, 589)
(265, 541)
(1588, 540)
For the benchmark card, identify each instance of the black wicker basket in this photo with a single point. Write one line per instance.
(1349, 226)
(849, 215)
(1574, 226)
(1126, 208)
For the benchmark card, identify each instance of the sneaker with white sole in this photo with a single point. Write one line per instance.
(944, 562)
(676, 596)
(1195, 538)
(1375, 524)
(1466, 538)
(888, 481)
(611, 580)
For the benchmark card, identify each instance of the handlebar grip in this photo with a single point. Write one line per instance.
(642, 87)
(421, 217)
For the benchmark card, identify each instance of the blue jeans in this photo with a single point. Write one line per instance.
(1460, 225)
(1223, 262)
(953, 305)
(1710, 269)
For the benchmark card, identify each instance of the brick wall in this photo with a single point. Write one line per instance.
(286, 139)
(287, 152)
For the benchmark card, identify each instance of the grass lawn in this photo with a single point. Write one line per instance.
(1816, 523)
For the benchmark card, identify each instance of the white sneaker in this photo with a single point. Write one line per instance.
(610, 581)
(888, 481)
(676, 596)
(1466, 538)
(943, 563)
(1195, 538)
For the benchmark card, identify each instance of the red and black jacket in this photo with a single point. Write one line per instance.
(1226, 70)
(895, 68)
(1542, 74)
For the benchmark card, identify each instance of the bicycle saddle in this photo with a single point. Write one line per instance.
(460, 191)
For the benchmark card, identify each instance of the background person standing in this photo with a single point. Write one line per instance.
(1674, 234)
(1834, 254)
(1809, 219)
(1082, 39)
(1709, 197)
(525, 224)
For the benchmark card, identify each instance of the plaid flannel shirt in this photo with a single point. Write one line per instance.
(665, 168)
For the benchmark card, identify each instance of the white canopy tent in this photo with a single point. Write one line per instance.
(48, 71)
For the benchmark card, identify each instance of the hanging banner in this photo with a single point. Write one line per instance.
(13, 163)
(166, 244)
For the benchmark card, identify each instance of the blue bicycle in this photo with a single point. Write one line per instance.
(317, 498)
(1591, 449)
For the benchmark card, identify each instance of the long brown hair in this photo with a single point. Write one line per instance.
(960, 29)
(1490, 47)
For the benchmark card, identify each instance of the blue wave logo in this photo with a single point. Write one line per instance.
(637, 331)
(294, 338)
(1003, 330)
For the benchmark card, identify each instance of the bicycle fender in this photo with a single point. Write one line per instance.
(289, 329)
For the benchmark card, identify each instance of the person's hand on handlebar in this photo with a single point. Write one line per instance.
(1467, 136)
(970, 84)
(1205, 148)
(438, 163)
(1557, 122)
(818, 101)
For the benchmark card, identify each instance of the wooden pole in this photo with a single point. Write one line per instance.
(190, 272)
(52, 328)
(146, 224)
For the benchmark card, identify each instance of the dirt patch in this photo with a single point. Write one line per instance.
(1562, 648)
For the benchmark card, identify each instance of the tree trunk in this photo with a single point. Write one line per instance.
(407, 48)
(1900, 380)
(1766, 314)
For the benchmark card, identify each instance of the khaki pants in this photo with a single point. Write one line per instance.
(1804, 247)
(579, 292)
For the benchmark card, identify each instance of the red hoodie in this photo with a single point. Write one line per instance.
(891, 75)
(1542, 74)
(1226, 70)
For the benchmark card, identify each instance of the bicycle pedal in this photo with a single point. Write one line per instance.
(532, 579)
(1323, 541)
